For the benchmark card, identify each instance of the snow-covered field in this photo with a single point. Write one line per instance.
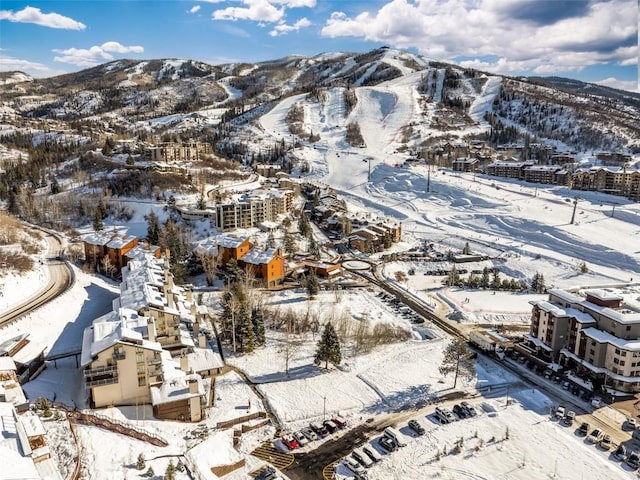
(529, 226)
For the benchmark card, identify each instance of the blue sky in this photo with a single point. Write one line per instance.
(591, 40)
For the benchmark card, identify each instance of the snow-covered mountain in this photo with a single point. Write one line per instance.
(452, 102)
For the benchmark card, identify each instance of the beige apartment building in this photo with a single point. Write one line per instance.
(598, 329)
(131, 355)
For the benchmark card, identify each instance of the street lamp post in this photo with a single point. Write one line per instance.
(368, 160)
(324, 408)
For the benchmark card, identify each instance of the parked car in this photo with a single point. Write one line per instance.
(300, 438)
(584, 428)
(444, 415)
(290, 442)
(354, 466)
(319, 429)
(605, 442)
(372, 452)
(594, 436)
(633, 460)
(332, 427)
(387, 443)
(596, 402)
(395, 435)
(569, 418)
(268, 473)
(471, 411)
(361, 457)
(620, 453)
(339, 421)
(309, 434)
(416, 427)
(459, 411)
(560, 412)
(630, 424)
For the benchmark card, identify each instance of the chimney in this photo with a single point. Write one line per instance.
(189, 295)
(202, 341)
(151, 329)
(171, 300)
(193, 309)
(193, 385)
(196, 328)
(184, 363)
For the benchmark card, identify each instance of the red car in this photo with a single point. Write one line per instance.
(339, 421)
(290, 442)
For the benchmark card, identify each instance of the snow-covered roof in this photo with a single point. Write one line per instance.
(230, 241)
(32, 425)
(258, 256)
(619, 315)
(99, 238)
(141, 251)
(537, 342)
(120, 241)
(124, 326)
(142, 284)
(604, 295)
(566, 296)
(601, 336)
(177, 388)
(7, 364)
(202, 359)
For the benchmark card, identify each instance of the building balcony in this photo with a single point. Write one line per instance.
(156, 360)
(103, 370)
(99, 382)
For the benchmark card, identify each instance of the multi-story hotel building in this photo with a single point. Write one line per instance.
(598, 329)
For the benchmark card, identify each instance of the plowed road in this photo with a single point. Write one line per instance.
(59, 281)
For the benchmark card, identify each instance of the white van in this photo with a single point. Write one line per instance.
(396, 436)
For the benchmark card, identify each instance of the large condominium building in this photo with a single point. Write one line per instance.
(248, 211)
(171, 152)
(596, 329)
(127, 354)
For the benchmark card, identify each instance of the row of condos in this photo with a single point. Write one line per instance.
(250, 211)
(113, 250)
(172, 152)
(149, 349)
(612, 180)
(264, 264)
(597, 329)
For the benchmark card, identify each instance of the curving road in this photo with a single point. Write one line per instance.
(60, 278)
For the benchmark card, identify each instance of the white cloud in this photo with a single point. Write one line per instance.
(194, 9)
(261, 11)
(446, 29)
(629, 85)
(35, 15)
(83, 57)
(39, 70)
(283, 28)
(255, 10)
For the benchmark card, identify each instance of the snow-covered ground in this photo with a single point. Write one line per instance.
(529, 227)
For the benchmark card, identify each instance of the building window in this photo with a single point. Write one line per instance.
(628, 328)
(142, 381)
(617, 351)
(139, 357)
(622, 363)
(592, 352)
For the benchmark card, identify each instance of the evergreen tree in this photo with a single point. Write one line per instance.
(314, 248)
(537, 283)
(304, 226)
(153, 228)
(150, 473)
(247, 335)
(495, 283)
(458, 360)
(312, 284)
(257, 318)
(170, 472)
(453, 277)
(140, 463)
(97, 221)
(289, 243)
(328, 347)
(484, 281)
